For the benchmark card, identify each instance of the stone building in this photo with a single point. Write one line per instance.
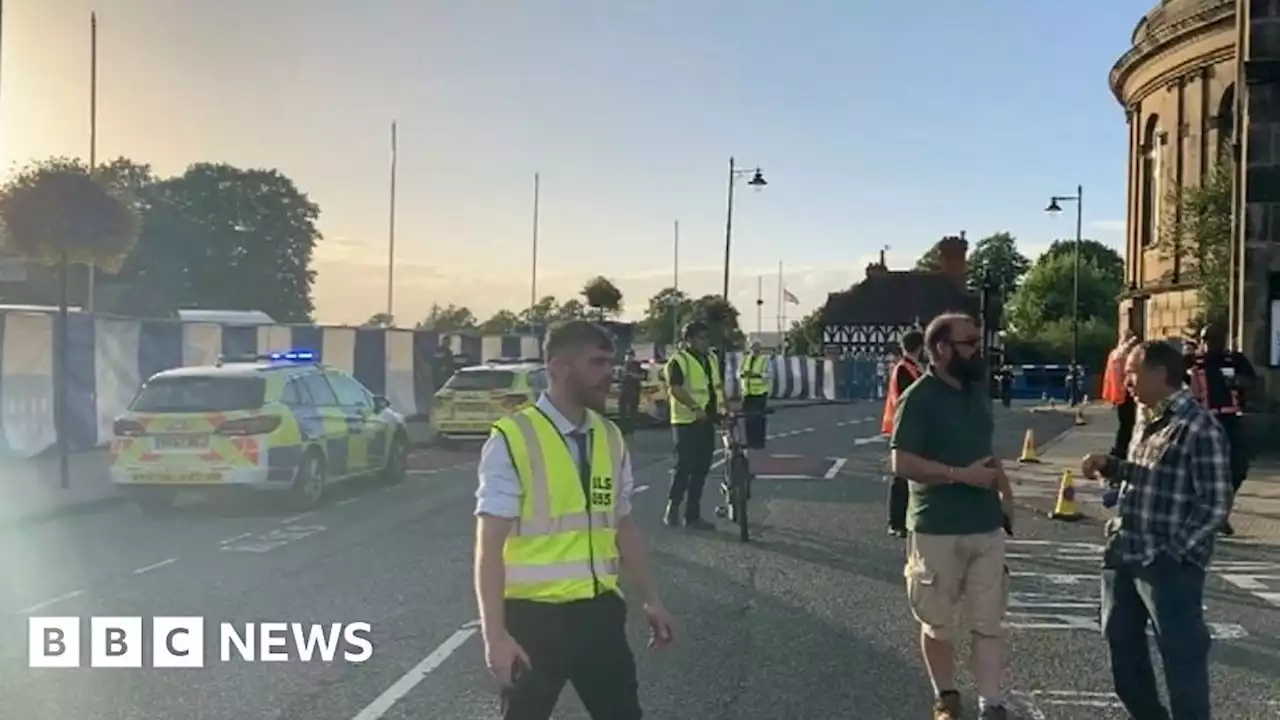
(1177, 86)
(1201, 83)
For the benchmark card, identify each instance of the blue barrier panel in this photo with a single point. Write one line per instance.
(307, 337)
(370, 361)
(159, 347)
(82, 411)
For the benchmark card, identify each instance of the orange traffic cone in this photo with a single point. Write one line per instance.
(1029, 448)
(1065, 508)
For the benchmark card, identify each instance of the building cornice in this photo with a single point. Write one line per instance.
(1167, 36)
(1186, 70)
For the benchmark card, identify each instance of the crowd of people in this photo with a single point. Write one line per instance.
(554, 526)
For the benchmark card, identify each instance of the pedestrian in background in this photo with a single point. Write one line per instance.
(696, 398)
(553, 529)
(1114, 392)
(960, 501)
(756, 379)
(904, 372)
(629, 392)
(1175, 492)
(1219, 379)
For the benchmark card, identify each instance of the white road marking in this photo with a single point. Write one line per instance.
(51, 601)
(785, 477)
(639, 489)
(234, 538)
(835, 469)
(153, 566)
(271, 540)
(296, 518)
(348, 501)
(787, 457)
(859, 442)
(407, 682)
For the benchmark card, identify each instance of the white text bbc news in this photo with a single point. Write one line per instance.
(179, 642)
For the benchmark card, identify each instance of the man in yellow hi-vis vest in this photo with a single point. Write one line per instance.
(757, 382)
(696, 398)
(553, 529)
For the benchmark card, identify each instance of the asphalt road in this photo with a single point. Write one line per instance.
(808, 621)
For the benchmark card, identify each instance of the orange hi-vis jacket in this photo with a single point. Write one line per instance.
(891, 398)
(1113, 379)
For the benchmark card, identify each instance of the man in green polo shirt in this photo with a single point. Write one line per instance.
(942, 443)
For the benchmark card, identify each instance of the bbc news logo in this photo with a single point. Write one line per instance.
(179, 642)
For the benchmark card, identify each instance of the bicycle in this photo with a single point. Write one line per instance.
(736, 485)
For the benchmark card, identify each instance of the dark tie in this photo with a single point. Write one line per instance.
(584, 463)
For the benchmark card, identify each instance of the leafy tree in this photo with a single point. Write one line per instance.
(1052, 344)
(448, 319)
(602, 295)
(544, 312)
(805, 335)
(721, 318)
(1197, 232)
(667, 310)
(930, 261)
(57, 208)
(1046, 292)
(997, 257)
(258, 236)
(572, 309)
(380, 320)
(503, 322)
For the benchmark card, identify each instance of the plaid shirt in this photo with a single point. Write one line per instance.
(1175, 486)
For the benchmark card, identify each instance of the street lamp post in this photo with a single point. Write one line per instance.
(1055, 207)
(757, 181)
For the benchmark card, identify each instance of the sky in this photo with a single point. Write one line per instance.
(877, 125)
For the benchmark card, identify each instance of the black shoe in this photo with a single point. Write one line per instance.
(1227, 530)
(698, 524)
(897, 532)
(672, 516)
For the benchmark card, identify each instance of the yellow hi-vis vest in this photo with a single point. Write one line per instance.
(561, 550)
(696, 383)
(752, 375)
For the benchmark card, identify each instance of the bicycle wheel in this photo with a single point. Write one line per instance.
(739, 496)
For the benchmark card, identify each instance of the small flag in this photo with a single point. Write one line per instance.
(789, 297)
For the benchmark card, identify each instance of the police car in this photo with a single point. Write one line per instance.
(476, 397)
(280, 422)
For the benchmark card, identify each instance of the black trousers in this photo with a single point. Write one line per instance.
(583, 643)
(899, 495)
(695, 444)
(756, 425)
(628, 410)
(1127, 413)
(1234, 427)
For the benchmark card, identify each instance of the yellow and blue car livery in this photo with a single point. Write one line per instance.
(476, 397)
(278, 422)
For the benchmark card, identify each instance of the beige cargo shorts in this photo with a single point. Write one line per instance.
(958, 581)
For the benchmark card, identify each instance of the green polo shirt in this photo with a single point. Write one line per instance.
(952, 426)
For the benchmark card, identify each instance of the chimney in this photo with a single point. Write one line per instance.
(952, 260)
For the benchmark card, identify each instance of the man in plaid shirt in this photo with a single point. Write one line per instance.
(1175, 492)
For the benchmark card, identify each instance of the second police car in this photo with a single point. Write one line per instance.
(475, 397)
(276, 423)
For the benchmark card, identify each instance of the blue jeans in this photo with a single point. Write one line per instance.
(1170, 594)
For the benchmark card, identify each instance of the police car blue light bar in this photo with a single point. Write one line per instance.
(298, 356)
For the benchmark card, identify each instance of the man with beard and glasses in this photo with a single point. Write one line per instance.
(553, 528)
(960, 500)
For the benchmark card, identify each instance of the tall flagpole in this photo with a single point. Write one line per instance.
(391, 230)
(675, 283)
(533, 278)
(759, 305)
(782, 311)
(93, 134)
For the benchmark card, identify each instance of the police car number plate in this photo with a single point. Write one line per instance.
(177, 478)
(181, 442)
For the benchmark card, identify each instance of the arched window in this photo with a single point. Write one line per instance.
(1150, 182)
(1225, 123)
